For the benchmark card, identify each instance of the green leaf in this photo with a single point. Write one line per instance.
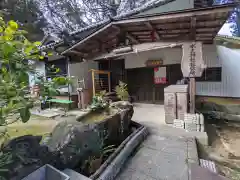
(41, 57)
(28, 49)
(25, 114)
(37, 43)
(4, 70)
(23, 77)
(57, 70)
(13, 25)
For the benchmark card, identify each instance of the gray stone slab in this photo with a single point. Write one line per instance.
(134, 175)
(167, 144)
(164, 155)
(158, 164)
(192, 151)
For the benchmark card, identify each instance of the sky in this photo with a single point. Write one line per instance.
(225, 30)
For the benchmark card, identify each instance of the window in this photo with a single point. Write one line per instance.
(213, 74)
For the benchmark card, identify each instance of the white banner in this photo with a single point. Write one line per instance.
(192, 64)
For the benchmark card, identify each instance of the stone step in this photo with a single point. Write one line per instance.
(201, 137)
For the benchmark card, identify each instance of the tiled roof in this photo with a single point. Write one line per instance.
(94, 27)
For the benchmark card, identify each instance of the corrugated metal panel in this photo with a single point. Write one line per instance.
(229, 60)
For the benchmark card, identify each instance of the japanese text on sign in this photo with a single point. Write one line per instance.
(153, 63)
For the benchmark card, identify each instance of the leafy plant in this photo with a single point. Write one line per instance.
(15, 55)
(122, 91)
(108, 150)
(5, 160)
(94, 162)
(98, 102)
(17, 60)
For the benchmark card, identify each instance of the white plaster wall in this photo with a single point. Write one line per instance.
(228, 59)
(168, 55)
(81, 71)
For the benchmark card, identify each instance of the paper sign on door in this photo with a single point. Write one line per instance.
(160, 75)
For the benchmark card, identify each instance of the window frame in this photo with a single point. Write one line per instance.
(207, 75)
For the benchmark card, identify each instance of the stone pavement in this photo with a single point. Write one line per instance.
(149, 114)
(167, 152)
(161, 157)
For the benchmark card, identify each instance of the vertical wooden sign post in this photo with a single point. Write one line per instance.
(192, 92)
(192, 74)
(192, 66)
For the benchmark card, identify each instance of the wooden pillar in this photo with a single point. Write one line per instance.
(109, 81)
(93, 83)
(192, 93)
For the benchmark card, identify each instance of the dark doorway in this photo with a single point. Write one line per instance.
(141, 83)
(117, 69)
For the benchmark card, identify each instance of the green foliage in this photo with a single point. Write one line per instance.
(122, 91)
(98, 102)
(15, 53)
(5, 159)
(108, 150)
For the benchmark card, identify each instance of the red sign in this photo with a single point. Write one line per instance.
(160, 75)
(160, 80)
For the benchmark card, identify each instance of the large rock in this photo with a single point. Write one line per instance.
(23, 155)
(76, 141)
(70, 145)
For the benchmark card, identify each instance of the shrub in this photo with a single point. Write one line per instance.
(122, 91)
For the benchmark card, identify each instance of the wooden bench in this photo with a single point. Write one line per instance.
(60, 101)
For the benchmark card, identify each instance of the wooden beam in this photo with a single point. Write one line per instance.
(150, 26)
(173, 26)
(174, 31)
(128, 35)
(131, 38)
(136, 33)
(76, 52)
(180, 14)
(193, 27)
(209, 24)
(206, 34)
(178, 25)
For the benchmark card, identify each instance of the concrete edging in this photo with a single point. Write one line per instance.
(112, 166)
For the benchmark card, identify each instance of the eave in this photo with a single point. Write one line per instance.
(189, 25)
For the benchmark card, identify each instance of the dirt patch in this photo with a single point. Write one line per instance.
(224, 148)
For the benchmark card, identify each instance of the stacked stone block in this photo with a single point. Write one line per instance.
(175, 102)
(194, 122)
(191, 122)
(178, 123)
